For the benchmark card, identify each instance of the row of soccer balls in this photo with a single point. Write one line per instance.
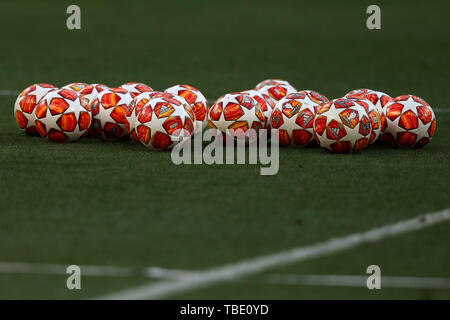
(78, 110)
(157, 119)
(342, 125)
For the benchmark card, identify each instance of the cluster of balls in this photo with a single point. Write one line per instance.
(343, 125)
(158, 120)
(161, 119)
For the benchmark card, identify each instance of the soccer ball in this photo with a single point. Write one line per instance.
(75, 86)
(374, 117)
(379, 99)
(303, 97)
(196, 100)
(26, 103)
(234, 114)
(163, 123)
(136, 88)
(357, 93)
(275, 89)
(272, 82)
(108, 112)
(342, 126)
(265, 104)
(314, 97)
(171, 98)
(62, 116)
(91, 91)
(410, 122)
(133, 110)
(166, 95)
(293, 117)
(175, 100)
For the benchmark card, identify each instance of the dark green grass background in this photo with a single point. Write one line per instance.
(103, 203)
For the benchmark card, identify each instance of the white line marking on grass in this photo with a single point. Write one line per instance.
(60, 269)
(162, 273)
(94, 271)
(358, 281)
(163, 289)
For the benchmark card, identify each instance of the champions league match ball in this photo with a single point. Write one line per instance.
(75, 86)
(293, 117)
(265, 104)
(314, 97)
(379, 99)
(108, 111)
(357, 93)
(163, 122)
(234, 114)
(275, 89)
(62, 116)
(133, 110)
(374, 117)
(342, 126)
(196, 100)
(136, 88)
(410, 122)
(26, 103)
(91, 91)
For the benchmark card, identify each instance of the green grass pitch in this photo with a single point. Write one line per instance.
(118, 204)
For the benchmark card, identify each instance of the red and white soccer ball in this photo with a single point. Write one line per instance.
(136, 88)
(374, 117)
(314, 97)
(177, 100)
(91, 91)
(196, 100)
(62, 116)
(293, 117)
(172, 98)
(234, 114)
(272, 82)
(108, 111)
(164, 122)
(410, 122)
(305, 96)
(379, 99)
(275, 89)
(342, 126)
(265, 104)
(75, 86)
(133, 110)
(357, 93)
(26, 103)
